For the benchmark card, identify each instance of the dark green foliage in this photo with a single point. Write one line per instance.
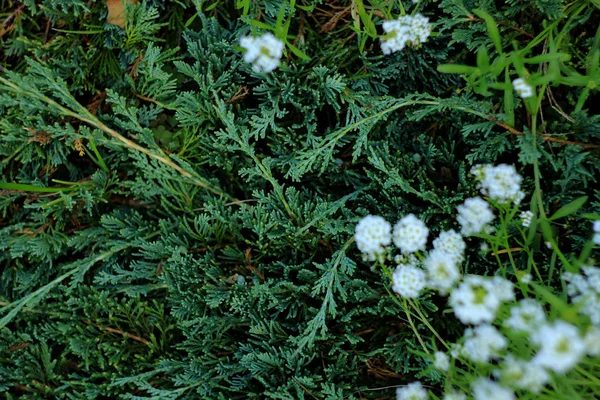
(198, 244)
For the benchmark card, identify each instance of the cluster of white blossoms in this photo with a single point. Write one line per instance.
(486, 389)
(526, 317)
(373, 235)
(441, 361)
(596, 227)
(262, 52)
(557, 346)
(451, 243)
(522, 88)
(547, 346)
(522, 374)
(561, 346)
(501, 183)
(442, 269)
(482, 343)
(410, 234)
(526, 217)
(439, 270)
(406, 30)
(477, 299)
(474, 216)
(585, 292)
(412, 391)
(408, 281)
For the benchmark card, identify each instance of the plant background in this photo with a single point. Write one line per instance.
(200, 244)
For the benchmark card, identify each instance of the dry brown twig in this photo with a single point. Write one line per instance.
(547, 138)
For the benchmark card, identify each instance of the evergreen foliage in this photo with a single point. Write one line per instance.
(174, 225)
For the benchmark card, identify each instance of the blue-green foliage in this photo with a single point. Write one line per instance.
(200, 244)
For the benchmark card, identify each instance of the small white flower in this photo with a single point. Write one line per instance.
(585, 291)
(372, 234)
(475, 300)
(501, 183)
(455, 395)
(262, 52)
(576, 283)
(526, 278)
(483, 343)
(528, 316)
(561, 346)
(593, 277)
(485, 389)
(503, 289)
(452, 243)
(455, 350)
(474, 215)
(526, 217)
(406, 30)
(408, 281)
(410, 234)
(596, 227)
(442, 271)
(592, 341)
(522, 88)
(441, 361)
(412, 391)
(522, 374)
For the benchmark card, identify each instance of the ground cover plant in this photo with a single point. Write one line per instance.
(299, 199)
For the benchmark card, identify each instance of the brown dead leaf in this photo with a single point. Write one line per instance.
(116, 11)
(79, 147)
(39, 137)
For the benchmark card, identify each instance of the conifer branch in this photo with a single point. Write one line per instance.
(90, 119)
(119, 332)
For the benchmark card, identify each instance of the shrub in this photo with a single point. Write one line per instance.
(177, 223)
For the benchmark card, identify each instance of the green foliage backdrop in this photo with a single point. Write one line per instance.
(174, 225)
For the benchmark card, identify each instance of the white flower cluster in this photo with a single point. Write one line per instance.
(522, 374)
(592, 341)
(522, 88)
(486, 389)
(372, 235)
(482, 343)
(585, 292)
(501, 182)
(441, 361)
(412, 391)
(408, 281)
(442, 269)
(526, 217)
(561, 346)
(556, 346)
(474, 215)
(406, 30)
(451, 243)
(262, 52)
(410, 234)
(596, 227)
(527, 317)
(455, 395)
(477, 298)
